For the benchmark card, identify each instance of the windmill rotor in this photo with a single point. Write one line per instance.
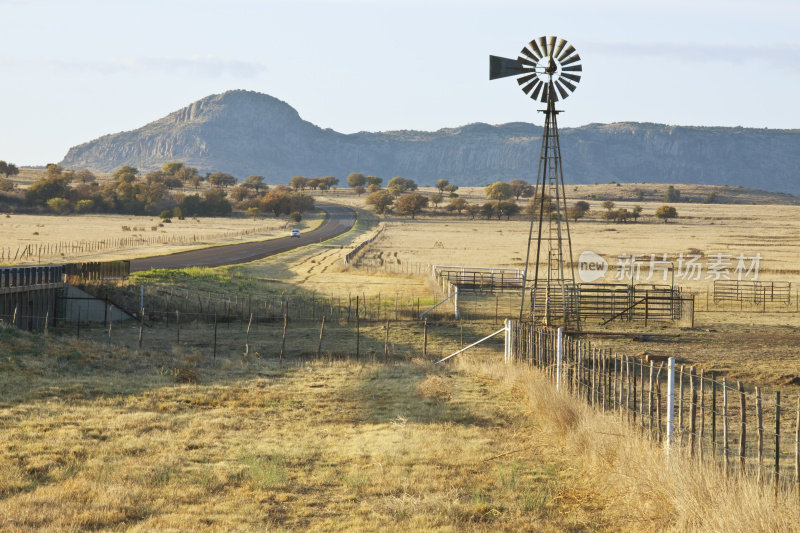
(547, 67)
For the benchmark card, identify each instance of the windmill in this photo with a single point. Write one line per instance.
(548, 68)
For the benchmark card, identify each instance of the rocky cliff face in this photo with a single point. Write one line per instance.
(245, 133)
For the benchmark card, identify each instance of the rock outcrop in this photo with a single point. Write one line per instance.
(243, 133)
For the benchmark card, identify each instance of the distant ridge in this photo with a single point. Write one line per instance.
(245, 132)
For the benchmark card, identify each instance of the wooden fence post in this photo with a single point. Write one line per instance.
(321, 332)
(702, 411)
(760, 431)
(713, 414)
(247, 336)
(725, 422)
(386, 343)
(283, 338)
(797, 450)
(693, 413)
(215, 335)
(777, 441)
(425, 339)
(680, 404)
(358, 332)
(650, 402)
(742, 426)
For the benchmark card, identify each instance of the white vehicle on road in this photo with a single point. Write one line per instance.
(295, 233)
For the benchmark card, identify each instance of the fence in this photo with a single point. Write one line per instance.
(739, 428)
(28, 295)
(752, 291)
(58, 250)
(97, 271)
(479, 279)
(354, 252)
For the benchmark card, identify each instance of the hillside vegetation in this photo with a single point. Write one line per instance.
(247, 133)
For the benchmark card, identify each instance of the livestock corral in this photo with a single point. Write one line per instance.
(300, 391)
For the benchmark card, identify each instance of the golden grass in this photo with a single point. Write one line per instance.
(630, 482)
(19, 231)
(99, 437)
(106, 439)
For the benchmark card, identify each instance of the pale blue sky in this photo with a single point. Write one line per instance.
(71, 71)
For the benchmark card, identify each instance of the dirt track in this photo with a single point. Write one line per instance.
(339, 219)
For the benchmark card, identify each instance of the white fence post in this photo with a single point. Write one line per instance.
(508, 352)
(558, 359)
(455, 302)
(670, 401)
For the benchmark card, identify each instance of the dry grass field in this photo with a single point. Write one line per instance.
(100, 435)
(20, 231)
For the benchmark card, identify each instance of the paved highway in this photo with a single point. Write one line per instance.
(339, 220)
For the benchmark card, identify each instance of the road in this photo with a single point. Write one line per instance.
(339, 220)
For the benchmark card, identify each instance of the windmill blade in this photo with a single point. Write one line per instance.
(535, 49)
(567, 51)
(573, 68)
(536, 91)
(525, 79)
(543, 45)
(572, 77)
(568, 85)
(563, 92)
(551, 44)
(527, 62)
(559, 47)
(535, 83)
(571, 60)
(502, 67)
(533, 57)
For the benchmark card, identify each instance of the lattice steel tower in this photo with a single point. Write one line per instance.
(547, 68)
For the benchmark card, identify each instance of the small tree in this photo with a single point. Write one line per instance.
(437, 199)
(221, 179)
(356, 179)
(8, 169)
(442, 185)
(608, 205)
(637, 210)
(578, 210)
(359, 190)
(380, 201)
(59, 205)
(507, 208)
(253, 212)
(666, 212)
(499, 190)
(411, 204)
(374, 180)
(457, 204)
(488, 209)
(296, 217)
(298, 183)
(473, 210)
(84, 206)
(399, 185)
(521, 188)
(672, 194)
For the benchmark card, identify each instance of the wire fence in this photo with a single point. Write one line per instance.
(742, 429)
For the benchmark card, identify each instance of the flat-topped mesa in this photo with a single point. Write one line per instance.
(245, 132)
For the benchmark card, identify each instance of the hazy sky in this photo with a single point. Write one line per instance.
(71, 71)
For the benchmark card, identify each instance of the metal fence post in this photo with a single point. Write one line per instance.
(508, 351)
(670, 401)
(558, 358)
